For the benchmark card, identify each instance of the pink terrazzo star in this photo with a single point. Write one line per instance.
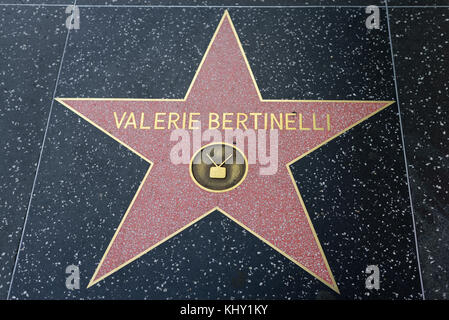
(168, 200)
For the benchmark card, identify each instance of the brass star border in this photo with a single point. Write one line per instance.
(225, 16)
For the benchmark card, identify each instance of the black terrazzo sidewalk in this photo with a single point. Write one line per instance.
(355, 187)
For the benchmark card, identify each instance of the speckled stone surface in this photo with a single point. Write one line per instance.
(31, 44)
(421, 45)
(355, 187)
(231, 2)
(418, 2)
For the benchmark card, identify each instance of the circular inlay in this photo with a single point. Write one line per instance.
(218, 167)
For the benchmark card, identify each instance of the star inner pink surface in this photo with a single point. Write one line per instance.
(268, 205)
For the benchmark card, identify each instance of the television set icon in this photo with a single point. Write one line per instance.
(217, 173)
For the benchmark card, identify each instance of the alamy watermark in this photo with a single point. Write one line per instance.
(73, 20)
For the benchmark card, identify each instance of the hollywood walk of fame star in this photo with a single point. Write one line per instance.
(169, 200)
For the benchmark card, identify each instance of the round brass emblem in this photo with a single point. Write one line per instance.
(218, 167)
